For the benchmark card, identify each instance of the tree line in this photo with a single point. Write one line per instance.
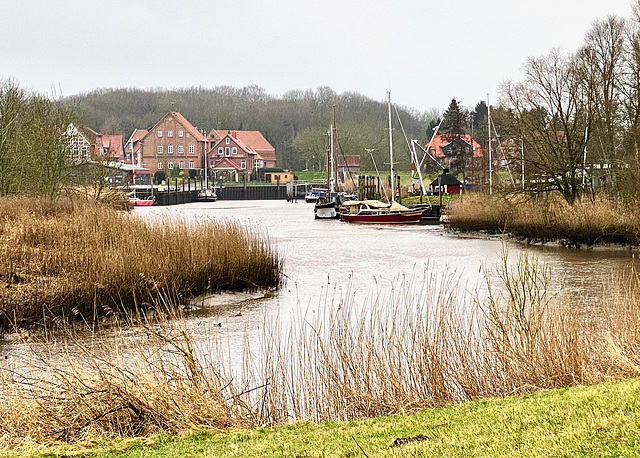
(296, 123)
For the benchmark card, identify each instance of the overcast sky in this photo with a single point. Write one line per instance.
(425, 52)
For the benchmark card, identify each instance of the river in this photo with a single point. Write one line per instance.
(332, 259)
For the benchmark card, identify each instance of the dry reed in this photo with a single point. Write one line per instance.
(602, 221)
(77, 258)
(427, 344)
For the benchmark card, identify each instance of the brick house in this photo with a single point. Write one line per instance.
(446, 149)
(239, 153)
(172, 143)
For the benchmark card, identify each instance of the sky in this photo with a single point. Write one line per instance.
(424, 52)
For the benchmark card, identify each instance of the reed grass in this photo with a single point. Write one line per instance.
(425, 344)
(588, 222)
(80, 258)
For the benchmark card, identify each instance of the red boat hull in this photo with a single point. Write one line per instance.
(383, 218)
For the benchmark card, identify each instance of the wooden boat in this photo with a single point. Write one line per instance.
(376, 212)
(142, 202)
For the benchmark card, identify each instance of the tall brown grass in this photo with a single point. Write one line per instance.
(426, 344)
(588, 222)
(80, 258)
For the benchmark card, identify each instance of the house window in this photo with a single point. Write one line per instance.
(227, 140)
(180, 149)
(256, 164)
(220, 151)
(169, 133)
(180, 133)
(243, 164)
(234, 150)
(159, 149)
(159, 133)
(170, 165)
(227, 151)
(159, 165)
(181, 164)
(170, 149)
(211, 162)
(191, 165)
(192, 149)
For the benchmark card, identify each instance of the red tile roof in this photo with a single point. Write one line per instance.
(441, 140)
(226, 163)
(252, 141)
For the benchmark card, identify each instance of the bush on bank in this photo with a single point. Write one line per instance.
(587, 222)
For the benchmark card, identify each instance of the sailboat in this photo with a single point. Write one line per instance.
(375, 211)
(329, 202)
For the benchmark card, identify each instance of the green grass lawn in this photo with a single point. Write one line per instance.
(600, 420)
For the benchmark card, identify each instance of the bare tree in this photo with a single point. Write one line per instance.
(552, 113)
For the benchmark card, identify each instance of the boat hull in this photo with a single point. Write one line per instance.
(383, 218)
(326, 211)
(142, 202)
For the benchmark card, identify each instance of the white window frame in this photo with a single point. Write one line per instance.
(227, 140)
(181, 165)
(180, 149)
(159, 149)
(256, 164)
(160, 165)
(169, 149)
(227, 152)
(192, 149)
(234, 150)
(191, 165)
(159, 133)
(220, 151)
(169, 133)
(180, 133)
(170, 165)
(243, 164)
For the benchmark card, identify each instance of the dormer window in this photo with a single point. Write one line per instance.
(227, 140)
(234, 150)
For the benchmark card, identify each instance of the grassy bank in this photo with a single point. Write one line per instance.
(426, 343)
(589, 223)
(77, 258)
(601, 420)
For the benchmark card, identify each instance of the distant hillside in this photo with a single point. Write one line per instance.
(295, 124)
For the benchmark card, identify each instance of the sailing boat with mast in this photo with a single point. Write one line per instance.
(375, 211)
(330, 201)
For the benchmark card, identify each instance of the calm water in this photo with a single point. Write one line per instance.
(331, 258)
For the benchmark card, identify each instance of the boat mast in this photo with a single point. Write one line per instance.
(332, 179)
(393, 181)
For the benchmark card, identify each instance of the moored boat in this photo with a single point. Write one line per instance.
(377, 212)
(207, 195)
(142, 202)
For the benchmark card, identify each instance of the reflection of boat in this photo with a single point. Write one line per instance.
(376, 212)
(207, 195)
(142, 202)
(313, 195)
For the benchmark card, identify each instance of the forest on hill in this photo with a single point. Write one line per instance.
(296, 123)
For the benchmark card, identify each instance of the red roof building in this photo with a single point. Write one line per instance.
(239, 152)
(446, 148)
(172, 143)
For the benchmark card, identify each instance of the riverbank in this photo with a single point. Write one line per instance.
(82, 260)
(599, 420)
(603, 222)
